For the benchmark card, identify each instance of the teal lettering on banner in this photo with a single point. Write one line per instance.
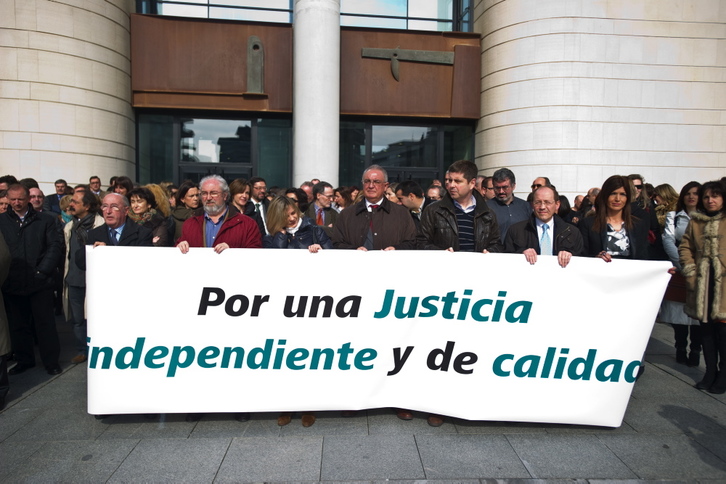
(179, 358)
(449, 306)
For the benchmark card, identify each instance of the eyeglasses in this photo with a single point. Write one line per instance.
(539, 203)
(639, 187)
(503, 188)
(115, 208)
(211, 194)
(373, 182)
(536, 185)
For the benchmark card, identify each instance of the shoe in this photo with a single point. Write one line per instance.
(348, 413)
(681, 357)
(194, 417)
(435, 420)
(308, 419)
(2, 402)
(79, 359)
(404, 414)
(284, 419)
(694, 359)
(242, 417)
(54, 370)
(19, 368)
(100, 417)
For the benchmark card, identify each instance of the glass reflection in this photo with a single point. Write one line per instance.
(404, 146)
(216, 141)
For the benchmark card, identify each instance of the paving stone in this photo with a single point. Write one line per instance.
(383, 421)
(469, 456)
(272, 459)
(14, 418)
(172, 460)
(89, 461)
(14, 456)
(568, 456)
(371, 457)
(218, 425)
(56, 423)
(666, 456)
(647, 417)
(326, 423)
(135, 426)
(72, 393)
(486, 427)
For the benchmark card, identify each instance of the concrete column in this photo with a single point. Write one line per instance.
(65, 90)
(316, 90)
(580, 90)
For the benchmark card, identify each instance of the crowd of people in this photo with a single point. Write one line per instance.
(42, 247)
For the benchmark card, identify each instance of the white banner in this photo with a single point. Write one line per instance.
(475, 336)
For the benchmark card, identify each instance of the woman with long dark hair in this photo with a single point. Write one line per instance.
(187, 205)
(672, 309)
(703, 255)
(612, 232)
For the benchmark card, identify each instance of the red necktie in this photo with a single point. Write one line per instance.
(319, 218)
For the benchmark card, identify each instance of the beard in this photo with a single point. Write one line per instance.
(213, 209)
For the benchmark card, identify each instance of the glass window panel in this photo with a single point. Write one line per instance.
(285, 4)
(404, 146)
(196, 2)
(458, 144)
(274, 141)
(352, 153)
(183, 10)
(430, 25)
(430, 9)
(216, 141)
(252, 15)
(372, 22)
(392, 8)
(155, 148)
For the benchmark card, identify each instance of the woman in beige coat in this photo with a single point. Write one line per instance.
(703, 258)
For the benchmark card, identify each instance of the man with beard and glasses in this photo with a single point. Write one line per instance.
(84, 207)
(221, 226)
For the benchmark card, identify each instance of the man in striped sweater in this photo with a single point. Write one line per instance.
(461, 221)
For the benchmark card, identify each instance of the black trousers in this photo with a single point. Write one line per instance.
(24, 312)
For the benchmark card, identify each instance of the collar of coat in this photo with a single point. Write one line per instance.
(705, 218)
(361, 206)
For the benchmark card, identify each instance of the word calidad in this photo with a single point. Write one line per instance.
(452, 307)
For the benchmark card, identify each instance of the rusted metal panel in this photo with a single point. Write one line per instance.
(427, 85)
(203, 64)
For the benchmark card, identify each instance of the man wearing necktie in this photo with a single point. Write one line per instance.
(117, 229)
(321, 209)
(545, 233)
(374, 223)
(256, 208)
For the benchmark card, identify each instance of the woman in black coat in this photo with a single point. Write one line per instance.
(613, 232)
(290, 229)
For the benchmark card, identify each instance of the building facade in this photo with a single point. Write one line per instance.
(576, 90)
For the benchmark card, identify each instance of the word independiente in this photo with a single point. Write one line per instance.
(256, 358)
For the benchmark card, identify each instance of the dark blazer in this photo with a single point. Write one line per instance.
(52, 203)
(250, 212)
(392, 225)
(330, 214)
(595, 242)
(523, 235)
(133, 235)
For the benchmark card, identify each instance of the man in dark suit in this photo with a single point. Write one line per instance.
(411, 196)
(321, 210)
(36, 248)
(257, 206)
(118, 229)
(52, 202)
